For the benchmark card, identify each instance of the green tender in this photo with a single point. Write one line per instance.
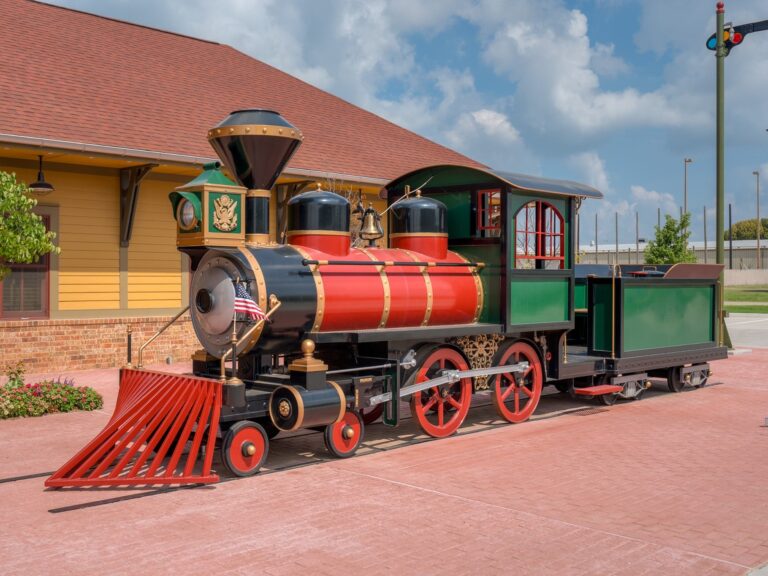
(665, 316)
(538, 300)
(601, 317)
(580, 295)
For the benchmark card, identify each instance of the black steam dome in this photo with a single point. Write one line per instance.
(418, 215)
(318, 211)
(255, 145)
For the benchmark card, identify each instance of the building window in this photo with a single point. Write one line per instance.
(24, 293)
(489, 213)
(539, 237)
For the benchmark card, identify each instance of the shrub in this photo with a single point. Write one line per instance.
(18, 399)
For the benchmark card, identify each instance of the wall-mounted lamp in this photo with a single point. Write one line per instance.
(41, 187)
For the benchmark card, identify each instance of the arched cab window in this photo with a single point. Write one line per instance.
(539, 237)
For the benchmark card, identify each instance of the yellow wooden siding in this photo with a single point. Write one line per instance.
(154, 264)
(89, 238)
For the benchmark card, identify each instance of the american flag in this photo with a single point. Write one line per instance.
(245, 304)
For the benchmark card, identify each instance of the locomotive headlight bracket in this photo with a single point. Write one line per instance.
(187, 210)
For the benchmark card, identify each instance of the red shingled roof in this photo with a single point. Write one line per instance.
(68, 75)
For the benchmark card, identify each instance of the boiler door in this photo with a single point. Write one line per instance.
(212, 302)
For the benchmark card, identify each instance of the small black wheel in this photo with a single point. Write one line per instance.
(343, 438)
(675, 381)
(564, 386)
(608, 399)
(244, 448)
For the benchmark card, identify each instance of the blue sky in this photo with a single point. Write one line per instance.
(613, 93)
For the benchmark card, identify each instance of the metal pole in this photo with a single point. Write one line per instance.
(616, 233)
(706, 250)
(686, 161)
(658, 217)
(596, 242)
(758, 228)
(578, 236)
(637, 237)
(720, 54)
(730, 239)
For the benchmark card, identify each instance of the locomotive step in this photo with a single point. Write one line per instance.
(598, 390)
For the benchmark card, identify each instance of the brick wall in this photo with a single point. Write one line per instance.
(46, 345)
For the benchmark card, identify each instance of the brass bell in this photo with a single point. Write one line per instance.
(371, 228)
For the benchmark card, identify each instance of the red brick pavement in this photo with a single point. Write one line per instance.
(675, 484)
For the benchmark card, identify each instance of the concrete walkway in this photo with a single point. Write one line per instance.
(672, 484)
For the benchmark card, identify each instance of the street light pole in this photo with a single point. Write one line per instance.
(686, 161)
(759, 228)
(720, 54)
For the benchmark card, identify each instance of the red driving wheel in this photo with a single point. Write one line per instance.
(343, 438)
(516, 395)
(244, 448)
(440, 410)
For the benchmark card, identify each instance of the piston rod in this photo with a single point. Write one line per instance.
(449, 377)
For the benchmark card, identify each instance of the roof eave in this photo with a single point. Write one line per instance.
(170, 158)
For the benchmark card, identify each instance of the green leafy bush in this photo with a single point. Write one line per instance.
(18, 399)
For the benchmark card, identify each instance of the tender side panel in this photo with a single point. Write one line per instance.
(657, 316)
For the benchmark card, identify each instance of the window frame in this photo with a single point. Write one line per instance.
(44, 264)
(545, 242)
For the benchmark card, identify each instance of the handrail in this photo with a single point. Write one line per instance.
(307, 262)
(163, 329)
(274, 304)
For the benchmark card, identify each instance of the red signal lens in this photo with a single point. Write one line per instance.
(737, 38)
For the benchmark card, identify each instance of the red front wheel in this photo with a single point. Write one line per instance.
(244, 448)
(516, 394)
(343, 438)
(440, 410)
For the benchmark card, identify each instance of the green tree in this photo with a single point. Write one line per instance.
(747, 229)
(670, 246)
(23, 237)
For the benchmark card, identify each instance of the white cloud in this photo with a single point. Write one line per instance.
(605, 63)
(652, 198)
(592, 169)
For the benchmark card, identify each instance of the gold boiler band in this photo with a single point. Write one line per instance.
(385, 286)
(320, 305)
(258, 193)
(478, 286)
(261, 288)
(427, 283)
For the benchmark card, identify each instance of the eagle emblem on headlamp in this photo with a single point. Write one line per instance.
(225, 213)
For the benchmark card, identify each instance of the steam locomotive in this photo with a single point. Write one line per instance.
(477, 291)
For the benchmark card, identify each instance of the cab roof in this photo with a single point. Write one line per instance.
(445, 175)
